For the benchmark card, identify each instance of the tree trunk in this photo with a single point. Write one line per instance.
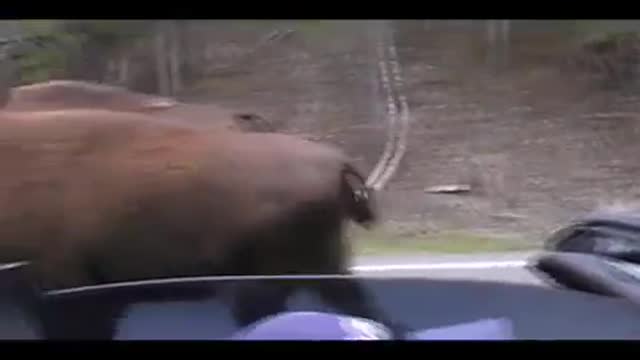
(123, 69)
(498, 34)
(505, 34)
(5, 83)
(174, 56)
(162, 70)
(491, 42)
(190, 47)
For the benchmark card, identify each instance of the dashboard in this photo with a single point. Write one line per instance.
(536, 312)
(199, 308)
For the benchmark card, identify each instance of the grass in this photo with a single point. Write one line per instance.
(385, 241)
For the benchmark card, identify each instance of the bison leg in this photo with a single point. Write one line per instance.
(64, 271)
(318, 247)
(257, 299)
(253, 300)
(350, 296)
(293, 246)
(330, 255)
(308, 242)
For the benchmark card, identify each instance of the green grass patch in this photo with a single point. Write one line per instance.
(385, 241)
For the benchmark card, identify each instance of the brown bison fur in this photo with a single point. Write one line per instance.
(97, 196)
(73, 94)
(64, 94)
(207, 115)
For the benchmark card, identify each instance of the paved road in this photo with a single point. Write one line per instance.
(507, 267)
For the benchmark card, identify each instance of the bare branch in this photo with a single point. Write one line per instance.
(398, 131)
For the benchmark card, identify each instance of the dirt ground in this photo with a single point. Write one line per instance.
(528, 140)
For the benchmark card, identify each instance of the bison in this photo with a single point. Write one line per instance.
(65, 94)
(93, 196)
(74, 94)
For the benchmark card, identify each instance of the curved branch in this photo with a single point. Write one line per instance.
(390, 144)
(398, 133)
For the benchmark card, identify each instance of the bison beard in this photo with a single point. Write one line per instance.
(97, 197)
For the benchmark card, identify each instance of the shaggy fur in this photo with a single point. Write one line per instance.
(64, 94)
(71, 94)
(95, 196)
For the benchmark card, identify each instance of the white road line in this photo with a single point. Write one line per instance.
(480, 265)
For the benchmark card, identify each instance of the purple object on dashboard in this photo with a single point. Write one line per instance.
(327, 326)
(309, 325)
(486, 329)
